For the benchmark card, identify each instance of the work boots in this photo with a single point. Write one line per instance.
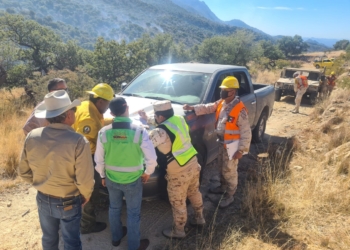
(295, 110)
(217, 190)
(226, 201)
(174, 233)
(198, 220)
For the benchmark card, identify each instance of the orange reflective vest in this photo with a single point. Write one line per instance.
(231, 129)
(331, 80)
(304, 81)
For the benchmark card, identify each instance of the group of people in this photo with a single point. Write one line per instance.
(71, 150)
(301, 85)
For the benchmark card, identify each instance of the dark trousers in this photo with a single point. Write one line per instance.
(59, 213)
(88, 218)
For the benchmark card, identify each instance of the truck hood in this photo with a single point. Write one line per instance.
(138, 103)
(291, 81)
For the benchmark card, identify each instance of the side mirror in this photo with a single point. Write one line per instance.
(123, 85)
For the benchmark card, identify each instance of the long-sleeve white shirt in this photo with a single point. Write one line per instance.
(147, 148)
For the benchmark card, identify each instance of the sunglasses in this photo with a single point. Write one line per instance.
(66, 89)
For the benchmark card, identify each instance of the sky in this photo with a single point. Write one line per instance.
(308, 18)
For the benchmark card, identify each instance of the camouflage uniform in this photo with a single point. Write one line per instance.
(322, 88)
(331, 84)
(183, 181)
(300, 90)
(228, 168)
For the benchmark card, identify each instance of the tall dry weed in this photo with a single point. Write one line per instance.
(316, 195)
(13, 114)
(266, 76)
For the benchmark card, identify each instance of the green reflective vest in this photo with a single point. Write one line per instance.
(182, 148)
(123, 153)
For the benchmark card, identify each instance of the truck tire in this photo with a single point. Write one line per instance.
(278, 95)
(317, 66)
(313, 98)
(259, 130)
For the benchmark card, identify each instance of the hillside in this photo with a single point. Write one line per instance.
(200, 8)
(85, 20)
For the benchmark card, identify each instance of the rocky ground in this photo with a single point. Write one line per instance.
(20, 227)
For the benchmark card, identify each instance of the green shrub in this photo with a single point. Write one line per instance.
(77, 82)
(281, 63)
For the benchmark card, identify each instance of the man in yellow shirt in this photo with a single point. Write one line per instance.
(89, 120)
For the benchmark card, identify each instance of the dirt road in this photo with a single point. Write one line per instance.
(20, 227)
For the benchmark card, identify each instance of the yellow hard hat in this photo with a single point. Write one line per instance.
(102, 90)
(230, 82)
(332, 73)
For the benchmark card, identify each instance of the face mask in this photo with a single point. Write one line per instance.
(223, 94)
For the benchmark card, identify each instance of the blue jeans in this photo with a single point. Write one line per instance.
(133, 197)
(54, 213)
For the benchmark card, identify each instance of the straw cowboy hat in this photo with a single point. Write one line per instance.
(55, 103)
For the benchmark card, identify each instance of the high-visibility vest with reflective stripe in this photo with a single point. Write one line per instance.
(331, 81)
(123, 153)
(304, 81)
(231, 129)
(182, 149)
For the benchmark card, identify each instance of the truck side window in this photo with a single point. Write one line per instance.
(244, 87)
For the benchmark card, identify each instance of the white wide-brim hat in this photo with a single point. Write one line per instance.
(55, 103)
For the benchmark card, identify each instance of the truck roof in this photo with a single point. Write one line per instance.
(301, 69)
(196, 67)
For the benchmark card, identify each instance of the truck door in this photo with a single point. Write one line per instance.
(246, 93)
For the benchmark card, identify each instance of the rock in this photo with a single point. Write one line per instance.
(332, 109)
(263, 155)
(298, 168)
(9, 204)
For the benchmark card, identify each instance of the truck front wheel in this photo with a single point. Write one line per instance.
(313, 98)
(317, 66)
(278, 95)
(259, 130)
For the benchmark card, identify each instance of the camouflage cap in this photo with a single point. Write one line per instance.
(162, 105)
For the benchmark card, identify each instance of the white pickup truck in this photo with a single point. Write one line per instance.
(195, 83)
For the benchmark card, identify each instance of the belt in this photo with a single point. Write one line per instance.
(57, 197)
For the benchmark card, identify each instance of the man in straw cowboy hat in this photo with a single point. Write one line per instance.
(57, 162)
(34, 122)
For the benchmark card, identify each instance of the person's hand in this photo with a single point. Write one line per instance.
(145, 178)
(238, 155)
(142, 114)
(85, 201)
(188, 107)
(103, 182)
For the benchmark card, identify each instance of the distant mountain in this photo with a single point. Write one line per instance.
(241, 24)
(316, 46)
(85, 20)
(197, 7)
(326, 41)
(200, 8)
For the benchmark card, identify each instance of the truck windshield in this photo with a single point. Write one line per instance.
(177, 86)
(311, 76)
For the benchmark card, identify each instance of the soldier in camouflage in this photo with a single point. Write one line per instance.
(182, 169)
(228, 115)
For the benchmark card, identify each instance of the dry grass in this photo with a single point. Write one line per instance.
(266, 76)
(13, 113)
(315, 196)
